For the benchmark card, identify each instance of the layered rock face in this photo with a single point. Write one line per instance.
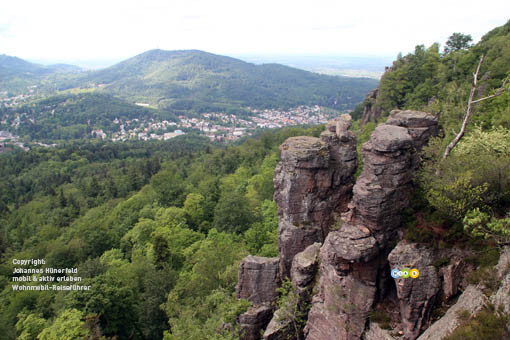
(304, 268)
(347, 286)
(303, 272)
(353, 259)
(451, 275)
(372, 111)
(472, 299)
(416, 296)
(254, 320)
(420, 125)
(375, 332)
(383, 188)
(257, 279)
(313, 189)
(502, 297)
(313, 182)
(257, 282)
(389, 161)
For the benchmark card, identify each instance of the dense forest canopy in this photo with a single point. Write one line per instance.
(143, 223)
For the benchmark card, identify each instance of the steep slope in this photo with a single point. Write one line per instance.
(200, 81)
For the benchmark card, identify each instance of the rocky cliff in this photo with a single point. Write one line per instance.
(371, 109)
(354, 268)
(313, 183)
(257, 281)
(338, 241)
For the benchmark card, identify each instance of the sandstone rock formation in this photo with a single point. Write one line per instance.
(304, 268)
(420, 125)
(257, 279)
(375, 332)
(303, 272)
(503, 266)
(257, 282)
(313, 182)
(313, 188)
(451, 275)
(383, 188)
(353, 259)
(347, 285)
(416, 296)
(372, 111)
(254, 320)
(474, 300)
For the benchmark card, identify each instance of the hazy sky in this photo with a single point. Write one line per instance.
(110, 29)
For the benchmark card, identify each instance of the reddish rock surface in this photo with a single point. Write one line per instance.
(383, 188)
(353, 258)
(451, 275)
(313, 187)
(257, 279)
(472, 300)
(303, 272)
(416, 296)
(420, 125)
(347, 287)
(313, 183)
(372, 111)
(254, 320)
(304, 268)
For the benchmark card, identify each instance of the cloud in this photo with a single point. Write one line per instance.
(5, 29)
(120, 29)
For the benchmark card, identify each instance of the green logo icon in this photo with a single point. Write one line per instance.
(405, 273)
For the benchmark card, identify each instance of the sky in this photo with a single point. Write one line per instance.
(71, 30)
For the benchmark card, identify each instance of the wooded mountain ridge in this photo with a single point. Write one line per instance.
(200, 81)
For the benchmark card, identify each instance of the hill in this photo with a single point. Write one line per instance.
(17, 74)
(200, 81)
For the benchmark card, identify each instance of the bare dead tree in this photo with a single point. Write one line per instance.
(469, 110)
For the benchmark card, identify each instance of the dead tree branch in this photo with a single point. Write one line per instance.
(469, 110)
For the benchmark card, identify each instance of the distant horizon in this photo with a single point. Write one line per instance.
(115, 30)
(285, 59)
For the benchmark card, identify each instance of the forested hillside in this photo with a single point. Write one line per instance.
(440, 81)
(201, 82)
(16, 74)
(191, 81)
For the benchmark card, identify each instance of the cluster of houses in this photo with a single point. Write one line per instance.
(216, 126)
